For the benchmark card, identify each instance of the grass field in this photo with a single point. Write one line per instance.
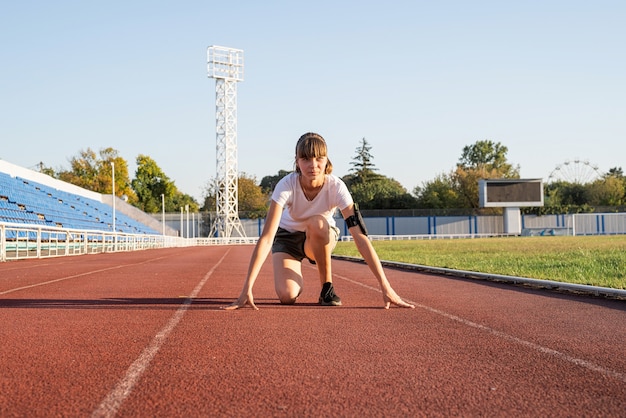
(590, 260)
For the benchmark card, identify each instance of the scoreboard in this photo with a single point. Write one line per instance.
(510, 193)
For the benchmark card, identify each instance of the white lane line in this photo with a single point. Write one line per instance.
(113, 401)
(87, 273)
(544, 350)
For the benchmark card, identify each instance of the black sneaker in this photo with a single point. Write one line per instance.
(328, 296)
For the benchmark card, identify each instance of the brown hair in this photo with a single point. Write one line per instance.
(312, 145)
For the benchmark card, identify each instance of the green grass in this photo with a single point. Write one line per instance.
(590, 260)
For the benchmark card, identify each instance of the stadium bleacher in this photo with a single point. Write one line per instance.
(33, 203)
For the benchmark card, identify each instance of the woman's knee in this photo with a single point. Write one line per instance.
(318, 227)
(288, 279)
(287, 300)
(288, 296)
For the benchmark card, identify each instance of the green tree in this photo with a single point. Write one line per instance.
(466, 184)
(482, 160)
(363, 168)
(362, 161)
(487, 156)
(439, 193)
(372, 190)
(150, 183)
(563, 193)
(181, 200)
(269, 182)
(382, 193)
(608, 191)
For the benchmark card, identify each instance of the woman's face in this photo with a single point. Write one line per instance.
(312, 167)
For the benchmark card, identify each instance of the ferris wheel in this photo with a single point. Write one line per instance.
(576, 172)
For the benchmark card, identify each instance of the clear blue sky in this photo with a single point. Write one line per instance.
(418, 79)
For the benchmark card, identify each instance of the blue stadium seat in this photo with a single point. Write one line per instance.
(28, 202)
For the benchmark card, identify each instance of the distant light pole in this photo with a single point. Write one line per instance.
(113, 191)
(187, 210)
(163, 212)
(225, 65)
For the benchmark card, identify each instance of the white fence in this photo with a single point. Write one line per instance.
(599, 224)
(472, 225)
(19, 241)
(576, 224)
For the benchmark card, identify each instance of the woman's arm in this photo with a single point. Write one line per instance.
(370, 256)
(260, 253)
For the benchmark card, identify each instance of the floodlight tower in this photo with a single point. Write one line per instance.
(225, 65)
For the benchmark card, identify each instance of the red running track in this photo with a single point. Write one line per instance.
(142, 334)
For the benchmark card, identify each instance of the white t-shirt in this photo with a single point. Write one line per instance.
(297, 209)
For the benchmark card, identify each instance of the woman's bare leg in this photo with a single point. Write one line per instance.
(319, 245)
(287, 277)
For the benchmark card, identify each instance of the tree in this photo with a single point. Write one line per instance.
(466, 184)
(372, 190)
(83, 170)
(269, 182)
(251, 198)
(150, 183)
(209, 201)
(46, 170)
(181, 200)
(482, 160)
(439, 193)
(382, 193)
(566, 197)
(123, 186)
(563, 193)
(608, 191)
(615, 172)
(362, 166)
(94, 172)
(488, 156)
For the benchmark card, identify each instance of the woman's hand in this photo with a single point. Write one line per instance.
(390, 296)
(244, 299)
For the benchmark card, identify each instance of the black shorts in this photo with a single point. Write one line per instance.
(292, 243)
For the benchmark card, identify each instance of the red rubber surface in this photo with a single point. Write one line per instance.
(120, 335)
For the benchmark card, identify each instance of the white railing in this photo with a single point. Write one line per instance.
(424, 237)
(21, 241)
(226, 241)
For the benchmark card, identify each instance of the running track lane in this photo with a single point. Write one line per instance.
(142, 334)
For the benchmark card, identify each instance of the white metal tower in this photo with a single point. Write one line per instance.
(225, 65)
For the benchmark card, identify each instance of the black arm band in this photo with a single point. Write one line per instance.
(351, 221)
(356, 219)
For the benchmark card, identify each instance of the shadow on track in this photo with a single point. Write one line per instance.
(112, 303)
(156, 304)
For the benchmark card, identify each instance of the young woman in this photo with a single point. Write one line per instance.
(300, 225)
